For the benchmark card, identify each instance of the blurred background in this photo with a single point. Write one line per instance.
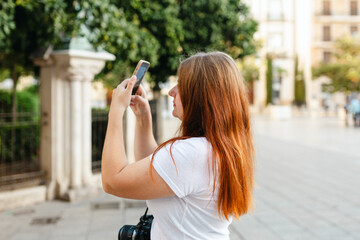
(60, 60)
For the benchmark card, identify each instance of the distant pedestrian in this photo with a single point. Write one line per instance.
(354, 109)
(197, 182)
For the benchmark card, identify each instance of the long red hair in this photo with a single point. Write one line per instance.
(215, 103)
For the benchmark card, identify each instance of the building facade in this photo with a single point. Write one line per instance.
(331, 20)
(302, 29)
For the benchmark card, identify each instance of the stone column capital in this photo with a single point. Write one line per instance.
(76, 65)
(78, 71)
(75, 73)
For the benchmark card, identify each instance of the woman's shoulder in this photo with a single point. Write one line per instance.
(192, 142)
(190, 147)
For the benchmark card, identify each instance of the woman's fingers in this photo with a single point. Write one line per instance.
(141, 91)
(127, 84)
(139, 105)
(122, 94)
(132, 100)
(130, 84)
(123, 84)
(138, 99)
(140, 96)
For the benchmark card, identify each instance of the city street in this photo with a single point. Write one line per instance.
(307, 187)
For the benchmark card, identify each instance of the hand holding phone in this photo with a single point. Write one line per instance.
(140, 71)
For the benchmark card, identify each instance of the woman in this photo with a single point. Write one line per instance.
(196, 182)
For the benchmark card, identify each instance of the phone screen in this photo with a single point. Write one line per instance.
(140, 75)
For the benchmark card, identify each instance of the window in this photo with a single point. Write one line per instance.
(326, 56)
(275, 42)
(275, 10)
(326, 8)
(353, 8)
(326, 34)
(353, 30)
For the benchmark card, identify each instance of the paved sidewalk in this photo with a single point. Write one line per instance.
(307, 187)
(307, 179)
(93, 219)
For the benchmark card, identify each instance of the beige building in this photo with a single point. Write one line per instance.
(303, 28)
(331, 20)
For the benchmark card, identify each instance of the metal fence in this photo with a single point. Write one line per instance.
(19, 150)
(20, 146)
(98, 131)
(153, 106)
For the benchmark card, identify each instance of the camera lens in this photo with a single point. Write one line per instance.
(127, 232)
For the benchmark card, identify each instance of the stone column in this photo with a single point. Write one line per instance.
(86, 147)
(47, 148)
(65, 149)
(76, 130)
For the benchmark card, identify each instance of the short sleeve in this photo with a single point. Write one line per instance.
(186, 172)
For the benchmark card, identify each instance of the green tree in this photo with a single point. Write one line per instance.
(20, 34)
(160, 32)
(220, 25)
(24, 27)
(178, 28)
(269, 78)
(29, 25)
(158, 39)
(344, 70)
(299, 85)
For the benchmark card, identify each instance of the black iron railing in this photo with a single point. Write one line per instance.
(19, 150)
(98, 131)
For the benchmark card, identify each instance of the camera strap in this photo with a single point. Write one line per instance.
(146, 211)
(146, 217)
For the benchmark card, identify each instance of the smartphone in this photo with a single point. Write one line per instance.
(140, 71)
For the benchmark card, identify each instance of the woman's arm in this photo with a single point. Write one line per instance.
(144, 143)
(113, 156)
(119, 178)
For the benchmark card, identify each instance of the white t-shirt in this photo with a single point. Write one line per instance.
(192, 213)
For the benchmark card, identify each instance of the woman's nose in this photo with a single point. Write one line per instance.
(172, 92)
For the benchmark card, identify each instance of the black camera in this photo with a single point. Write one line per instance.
(141, 231)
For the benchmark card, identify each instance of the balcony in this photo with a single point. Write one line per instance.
(319, 18)
(272, 17)
(319, 44)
